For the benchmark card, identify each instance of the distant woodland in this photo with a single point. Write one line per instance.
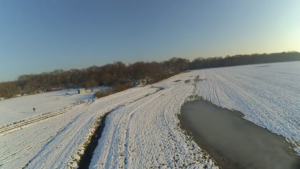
(120, 76)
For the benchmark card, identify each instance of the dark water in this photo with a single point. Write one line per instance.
(234, 142)
(87, 156)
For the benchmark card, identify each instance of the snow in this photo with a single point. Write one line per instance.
(54, 142)
(16, 109)
(145, 134)
(268, 95)
(141, 130)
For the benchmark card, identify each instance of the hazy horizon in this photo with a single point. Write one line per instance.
(38, 37)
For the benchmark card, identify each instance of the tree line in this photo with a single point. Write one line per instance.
(121, 76)
(117, 75)
(236, 60)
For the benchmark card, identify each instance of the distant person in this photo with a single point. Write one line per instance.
(34, 109)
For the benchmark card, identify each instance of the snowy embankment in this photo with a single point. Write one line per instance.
(142, 130)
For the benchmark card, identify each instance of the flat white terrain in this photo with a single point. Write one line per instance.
(141, 130)
(20, 108)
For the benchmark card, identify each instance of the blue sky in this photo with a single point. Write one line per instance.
(39, 36)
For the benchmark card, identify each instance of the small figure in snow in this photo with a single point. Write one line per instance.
(34, 109)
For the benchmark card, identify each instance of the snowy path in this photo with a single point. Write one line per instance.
(145, 135)
(54, 142)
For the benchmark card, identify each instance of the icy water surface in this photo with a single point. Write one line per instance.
(234, 142)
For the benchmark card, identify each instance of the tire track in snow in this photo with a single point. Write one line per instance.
(120, 105)
(145, 134)
(120, 120)
(50, 140)
(60, 151)
(131, 114)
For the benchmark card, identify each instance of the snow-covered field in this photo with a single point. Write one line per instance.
(16, 109)
(142, 130)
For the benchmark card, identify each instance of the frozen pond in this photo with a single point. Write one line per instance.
(234, 142)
